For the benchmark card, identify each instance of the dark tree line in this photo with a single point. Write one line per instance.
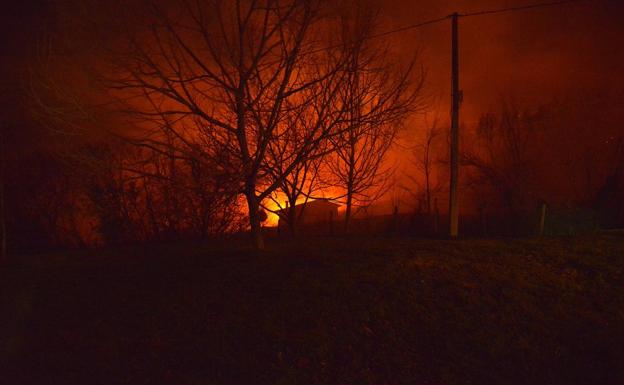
(520, 158)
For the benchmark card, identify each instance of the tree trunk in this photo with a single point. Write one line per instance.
(292, 220)
(348, 212)
(350, 186)
(254, 221)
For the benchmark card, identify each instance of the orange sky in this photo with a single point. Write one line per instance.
(536, 54)
(533, 55)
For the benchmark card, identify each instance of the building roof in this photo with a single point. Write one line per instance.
(313, 203)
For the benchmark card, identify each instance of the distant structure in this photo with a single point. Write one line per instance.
(311, 212)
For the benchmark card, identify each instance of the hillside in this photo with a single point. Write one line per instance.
(357, 311)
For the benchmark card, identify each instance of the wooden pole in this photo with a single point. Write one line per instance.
(455, 96)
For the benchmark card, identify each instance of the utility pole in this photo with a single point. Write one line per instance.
(455, 101)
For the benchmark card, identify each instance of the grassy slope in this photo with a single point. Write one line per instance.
(364, 311)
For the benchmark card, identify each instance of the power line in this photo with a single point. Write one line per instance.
(439, 19)
(476, 13)
(408, 27)
(390, 32)
(518, 8)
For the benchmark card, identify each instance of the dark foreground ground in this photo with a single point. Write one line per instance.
(361, 311)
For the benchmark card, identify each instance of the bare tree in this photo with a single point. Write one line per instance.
(304, 181)
(223, 79)
(503, 157)
(301, 184)
(378, 95)
(227, 80)
(428, 183)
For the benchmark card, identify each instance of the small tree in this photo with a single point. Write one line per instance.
(428, 182)
(503, 158)
(378, 96)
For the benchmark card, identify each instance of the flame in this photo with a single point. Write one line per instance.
(279, 202)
